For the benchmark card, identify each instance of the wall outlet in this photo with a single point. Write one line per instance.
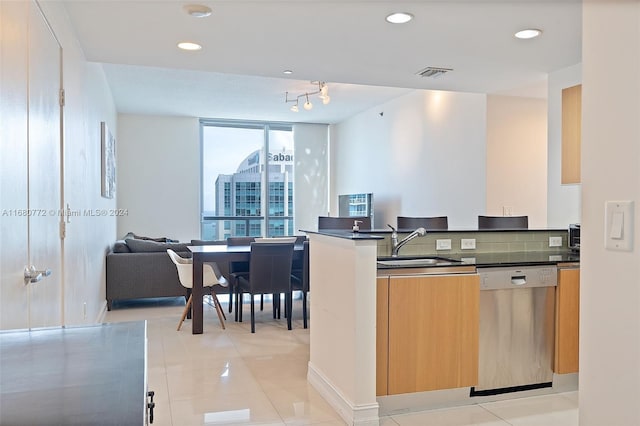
(468, 243)
(555, 241)
(507, 211)
(84, 310)
(443, 244)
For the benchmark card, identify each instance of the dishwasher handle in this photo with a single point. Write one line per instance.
(518, 279)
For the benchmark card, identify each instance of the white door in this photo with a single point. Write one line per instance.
(31, 181)
(14, 252)
(44, 172)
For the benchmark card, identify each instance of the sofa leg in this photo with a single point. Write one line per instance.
(109, 304)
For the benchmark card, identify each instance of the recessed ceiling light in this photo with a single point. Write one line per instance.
(528, 33)
(186, 45)
(399, 18)
(287, 72)
(197, 10)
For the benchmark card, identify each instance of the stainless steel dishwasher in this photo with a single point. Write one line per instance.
(517, 306)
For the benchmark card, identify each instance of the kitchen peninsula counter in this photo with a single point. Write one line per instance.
(343, 340)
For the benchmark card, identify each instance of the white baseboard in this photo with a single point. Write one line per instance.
(354, 415)
(565, 382)
(102, 313)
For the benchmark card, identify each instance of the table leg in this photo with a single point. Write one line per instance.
(197, 294)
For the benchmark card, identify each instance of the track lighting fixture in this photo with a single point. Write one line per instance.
(307, 105)
(322, 92)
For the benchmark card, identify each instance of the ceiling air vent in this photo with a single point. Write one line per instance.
(433, 72)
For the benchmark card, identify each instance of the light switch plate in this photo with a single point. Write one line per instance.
(468, 243)
(443, 244)
(618, 229)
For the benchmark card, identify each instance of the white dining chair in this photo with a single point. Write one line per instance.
(210, 276)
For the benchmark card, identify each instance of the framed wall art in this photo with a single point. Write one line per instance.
(108, 145)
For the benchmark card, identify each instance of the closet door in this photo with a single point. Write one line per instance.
(14, 251)
(45, 244)
(30, 161)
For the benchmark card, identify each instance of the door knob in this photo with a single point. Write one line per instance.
(32, 275)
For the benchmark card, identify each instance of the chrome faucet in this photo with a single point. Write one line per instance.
(396, 246)
(394, 236)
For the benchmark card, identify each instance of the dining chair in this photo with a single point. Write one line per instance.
(269, 273)
(245, 271)
(343, 222)
(210, 277)
(222, 267)
(503, 222)
(236, 268)
(262, 240)
(434, 223)
(300, 280)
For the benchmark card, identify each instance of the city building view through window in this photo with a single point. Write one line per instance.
(247, 180)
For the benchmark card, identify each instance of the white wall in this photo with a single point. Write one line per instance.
(159, 176)
(311, 153)
(517, 157)
(610, 280)
(422, 154)
(563, 201)
(88, 102)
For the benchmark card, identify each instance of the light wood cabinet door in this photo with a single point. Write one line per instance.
(433, 332)
(571, 133)
(567, 321)
(382, 335)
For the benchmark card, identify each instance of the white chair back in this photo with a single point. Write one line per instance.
(185, 272)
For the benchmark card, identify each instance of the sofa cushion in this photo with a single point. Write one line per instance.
(121, 247)
(142, 246)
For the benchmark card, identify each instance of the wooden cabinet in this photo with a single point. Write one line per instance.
(571, 133)
(567, 321)
(382, 335)
(432, 333)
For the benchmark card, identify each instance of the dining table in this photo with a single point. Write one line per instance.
(219, 254)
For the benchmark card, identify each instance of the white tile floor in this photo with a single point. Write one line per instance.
(233, 377)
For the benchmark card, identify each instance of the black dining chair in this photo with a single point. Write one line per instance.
(503, 222)
(435, 223)
(343, 222)
(300, 279)
(269, 273)
(236, 268)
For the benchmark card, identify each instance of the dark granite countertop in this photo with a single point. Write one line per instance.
(479, 260)
(385, 231)
(349, 235)
(518, 258)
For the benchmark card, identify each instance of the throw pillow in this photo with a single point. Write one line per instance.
(121, 247)
(131, 235)
(142, 246)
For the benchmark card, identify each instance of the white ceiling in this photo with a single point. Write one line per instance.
(347, 43)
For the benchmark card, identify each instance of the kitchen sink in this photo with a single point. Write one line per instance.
(414, 262)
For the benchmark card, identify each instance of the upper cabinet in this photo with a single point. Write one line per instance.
(571, 134)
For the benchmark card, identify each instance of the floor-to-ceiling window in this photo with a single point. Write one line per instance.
(247, 179)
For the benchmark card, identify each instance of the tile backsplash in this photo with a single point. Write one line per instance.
(494, 241)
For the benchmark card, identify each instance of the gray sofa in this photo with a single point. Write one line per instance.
(140, 268)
